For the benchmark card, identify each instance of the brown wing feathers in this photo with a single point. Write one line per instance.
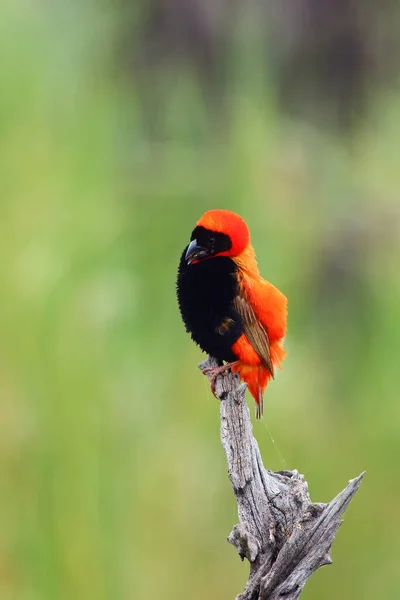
(254, 331)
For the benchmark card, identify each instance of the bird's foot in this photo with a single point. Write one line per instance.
(215, 371)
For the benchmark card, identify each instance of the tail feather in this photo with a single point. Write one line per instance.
(260, 404)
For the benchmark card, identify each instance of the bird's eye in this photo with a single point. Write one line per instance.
(212, 240)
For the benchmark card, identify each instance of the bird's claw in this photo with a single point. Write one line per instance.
(213, 378)
(215, 371)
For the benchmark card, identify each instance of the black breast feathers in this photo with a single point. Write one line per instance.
(205, 291)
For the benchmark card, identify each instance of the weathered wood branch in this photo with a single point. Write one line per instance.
(284, 535)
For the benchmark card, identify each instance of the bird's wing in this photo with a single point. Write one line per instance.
(254, 330)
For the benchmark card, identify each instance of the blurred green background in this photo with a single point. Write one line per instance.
(120, 125)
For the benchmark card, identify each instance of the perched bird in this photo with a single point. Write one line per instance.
(231, 312)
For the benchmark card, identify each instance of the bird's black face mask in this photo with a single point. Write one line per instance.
(205, 244)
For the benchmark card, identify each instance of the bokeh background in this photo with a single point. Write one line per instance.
(121, 123)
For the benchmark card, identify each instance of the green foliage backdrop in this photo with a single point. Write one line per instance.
(113, 481)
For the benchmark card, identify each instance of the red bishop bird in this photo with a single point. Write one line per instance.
(231, 312)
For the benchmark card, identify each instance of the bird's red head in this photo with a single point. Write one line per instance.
(230, 224)
(218, 233)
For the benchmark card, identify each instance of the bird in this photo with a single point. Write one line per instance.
(230, 311)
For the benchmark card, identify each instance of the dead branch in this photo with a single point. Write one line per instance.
(284, 535)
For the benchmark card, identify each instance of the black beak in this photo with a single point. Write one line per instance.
(195, 252)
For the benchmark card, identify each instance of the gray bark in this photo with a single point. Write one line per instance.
(284, 535)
